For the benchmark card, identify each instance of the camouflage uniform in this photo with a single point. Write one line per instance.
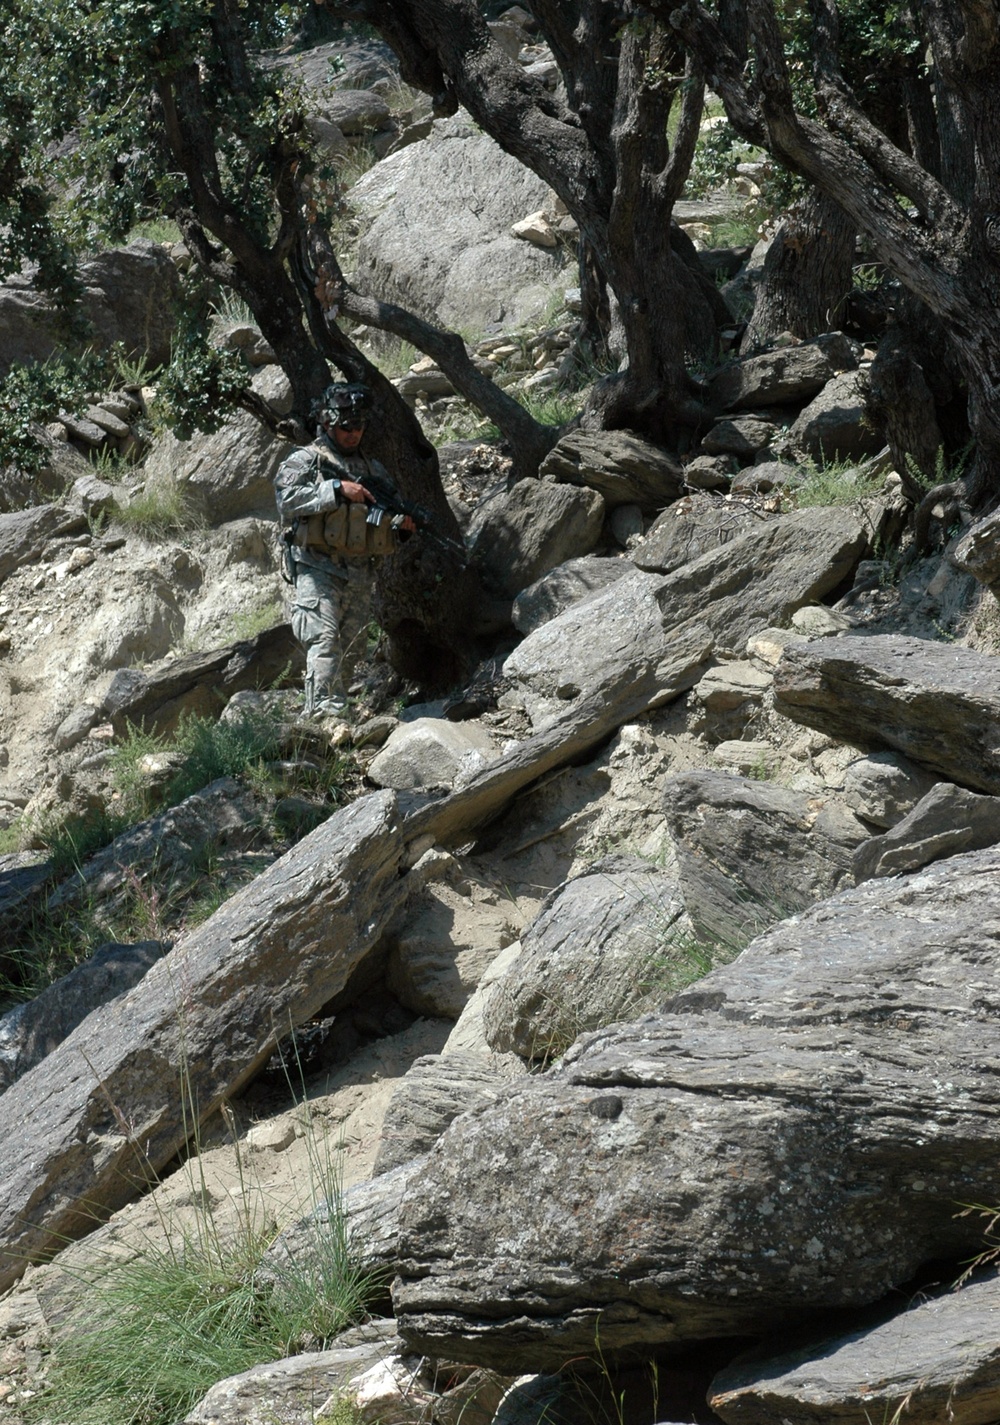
(331, 600)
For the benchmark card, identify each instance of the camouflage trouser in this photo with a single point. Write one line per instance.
(330, 619)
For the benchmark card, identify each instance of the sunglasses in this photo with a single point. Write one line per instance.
(351, 423)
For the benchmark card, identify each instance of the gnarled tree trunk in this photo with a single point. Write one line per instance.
(807, 275)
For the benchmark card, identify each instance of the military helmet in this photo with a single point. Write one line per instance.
(343, 403)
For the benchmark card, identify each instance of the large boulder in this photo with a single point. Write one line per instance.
(130, 295)
(735, 590)
(750, 854)
(532, 528)
(604, 945)
(788, 375)
(84, 1130)
(791, 1135)
(625, 469)
(436, 233)
(935, 702)
(230, 472)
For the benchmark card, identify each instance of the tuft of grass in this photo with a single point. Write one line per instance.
(835, 482)
(158, 1330)
(254, 621)
(161, 230)
(158, 513)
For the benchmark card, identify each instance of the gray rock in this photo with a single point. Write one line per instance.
(77, 1131)
(25, 533)
(839, 424)
(229, 473)
(767, 476)
(577, 730)
(791, 1135)
(693, 526)
(222, 818)
(947, 820)
(431, 1095)
(296, 1390)
(782, 377)
(74, 727)
(199, 683)
(750, 854)
(533, 528)
(604, 946)
(431, 752)
(739, 435)
(729, 686)
(565, 585)
(355, 111)
(625, 469)
(937, 1361)
(32, 1030)
(883, 787)
(130, 294)
(758, 579)
(978, 551)
(436, 216)
(935, 702)
(709, 472)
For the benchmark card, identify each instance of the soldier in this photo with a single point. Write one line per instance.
(332, 529)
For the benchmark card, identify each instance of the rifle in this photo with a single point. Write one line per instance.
(388, 498)
(422, 517)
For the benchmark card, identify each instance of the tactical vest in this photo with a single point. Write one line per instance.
(351, 531)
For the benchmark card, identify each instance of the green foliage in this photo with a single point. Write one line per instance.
(34, 394)
(158, 512)
(199, 388)
(835, 482)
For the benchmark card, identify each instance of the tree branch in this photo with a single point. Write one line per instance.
(530, 440)
(841, 108)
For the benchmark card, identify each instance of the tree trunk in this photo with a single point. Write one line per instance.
(807, 276)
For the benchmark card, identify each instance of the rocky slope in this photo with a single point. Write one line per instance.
(644, 992)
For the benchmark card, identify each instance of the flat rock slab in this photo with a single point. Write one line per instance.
(750, 853)
(622, 633)
(947, 820)
(82, 1132)
(935, 702)
(594, 953)
(200, 683)
(791, 1135)
(939, 1361)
